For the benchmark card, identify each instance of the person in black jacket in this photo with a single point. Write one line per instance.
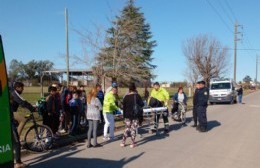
(240, 94)
(194, 112)
(53, 111)
(15, 101)
(202, 97)
(19, 101)
(131, 118)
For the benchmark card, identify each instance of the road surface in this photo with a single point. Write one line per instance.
(233, 141)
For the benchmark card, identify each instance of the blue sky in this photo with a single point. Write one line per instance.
(35, 29)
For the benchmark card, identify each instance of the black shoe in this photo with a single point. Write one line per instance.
(153, 130)
(166, 131)
(202, 130)
(194, 125)
(184, 124)
(97, 146)
(198, 127)
(89, 146)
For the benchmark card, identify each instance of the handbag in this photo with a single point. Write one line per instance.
(137, 110)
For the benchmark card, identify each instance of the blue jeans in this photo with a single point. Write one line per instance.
(109, 122)
(75, 122)
(92, 128)
(240, 98)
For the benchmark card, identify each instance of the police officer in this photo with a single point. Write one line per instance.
(202, 97)
(194, 112)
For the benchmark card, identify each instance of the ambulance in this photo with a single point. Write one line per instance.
(6, 150)
(222, 90)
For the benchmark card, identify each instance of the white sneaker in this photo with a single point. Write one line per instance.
(132, 145)
(62, 131)
(106, 138)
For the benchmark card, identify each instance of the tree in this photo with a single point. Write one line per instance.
(247, 79)
(30, 69)
(192, 73)
(16, 70)
(92, 43)
(128, 52)
(206, 56)
(43, 66)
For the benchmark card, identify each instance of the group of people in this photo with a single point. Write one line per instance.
(62, 112)
(65, 108)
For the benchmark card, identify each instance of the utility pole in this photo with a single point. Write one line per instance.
(235, 51)
(256, 70)
(67, 45)
(235, 48)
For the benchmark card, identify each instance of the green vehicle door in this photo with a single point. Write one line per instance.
(6, 150)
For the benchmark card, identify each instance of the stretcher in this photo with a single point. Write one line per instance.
(150, 113)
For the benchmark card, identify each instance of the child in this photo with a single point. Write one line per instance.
(76, 107)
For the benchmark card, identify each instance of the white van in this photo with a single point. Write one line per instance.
(222, 90)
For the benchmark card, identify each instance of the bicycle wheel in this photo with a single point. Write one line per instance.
(38, 138)
(183, 113)
(183, 116)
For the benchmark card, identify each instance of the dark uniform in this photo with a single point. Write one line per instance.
(202, 97)
(194, 112)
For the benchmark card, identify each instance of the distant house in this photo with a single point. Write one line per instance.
(166, 85)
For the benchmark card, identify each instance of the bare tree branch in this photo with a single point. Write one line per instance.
(205, 57)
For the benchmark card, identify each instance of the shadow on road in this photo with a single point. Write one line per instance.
(65, 161)
(213, 124)
(178, 125)
(71, 148)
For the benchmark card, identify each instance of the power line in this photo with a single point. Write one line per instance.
(225, 11)
(230, 9)
(249, 49)
(249, 46)
(245, 49)
(221, 18)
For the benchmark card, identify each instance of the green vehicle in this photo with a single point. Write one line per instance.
(6, 149)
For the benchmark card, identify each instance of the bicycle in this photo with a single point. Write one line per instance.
(38, 138)
(180, 114)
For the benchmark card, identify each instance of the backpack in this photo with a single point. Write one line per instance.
(42, 106)
(137, 110)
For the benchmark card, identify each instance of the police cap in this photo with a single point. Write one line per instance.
(201, 82)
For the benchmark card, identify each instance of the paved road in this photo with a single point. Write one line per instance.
(233, 141)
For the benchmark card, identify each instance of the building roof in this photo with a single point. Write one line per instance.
(74, 72)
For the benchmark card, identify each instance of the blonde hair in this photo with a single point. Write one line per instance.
(92, 93)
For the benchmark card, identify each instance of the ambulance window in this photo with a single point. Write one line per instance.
(215, 86)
